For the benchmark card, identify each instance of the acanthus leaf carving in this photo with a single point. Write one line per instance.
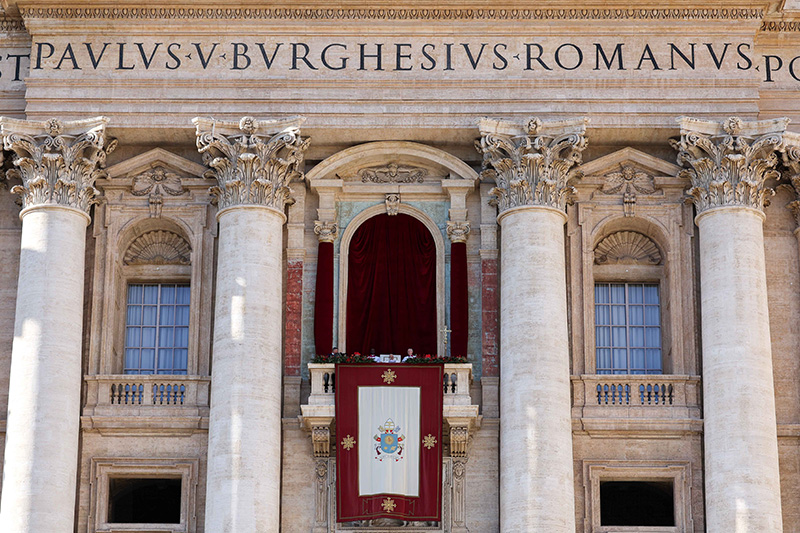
(57, 162)
(252, 160)
(729, 163)
(393, 173)
(154, 184)
(627, 248)
(534, 164)
(159, 247)
(791, 162)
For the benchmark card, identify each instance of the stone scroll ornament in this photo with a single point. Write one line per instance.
(58, 162)
(531, 164)
(253, 160)
(729, 163)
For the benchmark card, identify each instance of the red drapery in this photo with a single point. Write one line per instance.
(323, 306)
(391, 287)
(458, 299)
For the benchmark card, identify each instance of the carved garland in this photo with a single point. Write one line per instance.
(627, 248)
(158, 248)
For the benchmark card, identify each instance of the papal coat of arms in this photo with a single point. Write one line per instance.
(390, 442)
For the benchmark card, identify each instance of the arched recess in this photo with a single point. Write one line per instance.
(344, 256)
(351, 159)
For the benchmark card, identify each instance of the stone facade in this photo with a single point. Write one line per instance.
(566, 147)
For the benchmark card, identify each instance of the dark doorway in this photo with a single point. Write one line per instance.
(144, 501)
(637, 503)
(391, 287)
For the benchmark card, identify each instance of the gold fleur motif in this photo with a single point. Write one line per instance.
(388, 505)
(429, 441)
(348, 442)
(388, 376)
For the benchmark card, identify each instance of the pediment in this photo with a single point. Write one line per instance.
(631, 158)
(154, 159)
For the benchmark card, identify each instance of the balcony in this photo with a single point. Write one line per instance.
(460, 415)
(661, 405)
(150, 404)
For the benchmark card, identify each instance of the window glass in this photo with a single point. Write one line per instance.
(144, 501)
(637, 503)
(157, 329)
(627, 328)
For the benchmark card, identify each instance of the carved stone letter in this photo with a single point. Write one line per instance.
(252, 160)
(58, 162)
(531, 165)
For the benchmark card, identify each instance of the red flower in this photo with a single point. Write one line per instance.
(427, 356)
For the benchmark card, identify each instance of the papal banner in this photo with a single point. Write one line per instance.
(389, 442)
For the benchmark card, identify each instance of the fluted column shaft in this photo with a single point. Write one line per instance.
(253, 162)
(531, 167)
(728, 165)
(41, 453)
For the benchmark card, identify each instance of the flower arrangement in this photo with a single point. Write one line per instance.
(428, 358)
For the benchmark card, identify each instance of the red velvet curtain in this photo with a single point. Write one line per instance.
(391, 287)
(323, 305)
(459, 316)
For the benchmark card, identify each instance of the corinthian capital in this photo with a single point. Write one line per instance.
(531, 164)
(326, 231)
(458, 231)
(791, 162)
(58, 162)
(729, 162)
(252, 160)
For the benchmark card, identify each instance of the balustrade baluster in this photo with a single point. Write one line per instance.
(599, 394)
(325, 381)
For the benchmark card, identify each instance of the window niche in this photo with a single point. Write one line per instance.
(138, 495)
(634, 496)
(157, 321)
(629, 307)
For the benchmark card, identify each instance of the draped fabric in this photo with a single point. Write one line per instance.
(391, 287)
(458, 299)
(323, 305)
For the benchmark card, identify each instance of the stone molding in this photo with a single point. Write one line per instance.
(58, 162)
(729, 162)
(252, 160)
(278, 13)
(532, 164)
(326, 231)
(458, 231)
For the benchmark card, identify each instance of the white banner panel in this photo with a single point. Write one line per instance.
(389, 440)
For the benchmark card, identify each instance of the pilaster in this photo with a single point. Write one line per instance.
(58, 163)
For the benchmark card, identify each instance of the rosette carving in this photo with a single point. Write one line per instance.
(252, 160)
(58, 162)
(728, 163)
(531, 165)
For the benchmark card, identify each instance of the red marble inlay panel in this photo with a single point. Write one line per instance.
(489, 314)
(293, 337)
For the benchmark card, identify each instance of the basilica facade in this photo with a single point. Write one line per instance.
(589, 211)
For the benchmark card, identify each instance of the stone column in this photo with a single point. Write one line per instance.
(253, 161)
(728, 164)
(532, 166)
(58, 164)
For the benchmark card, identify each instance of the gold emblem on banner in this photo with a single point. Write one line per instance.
(348, 442)
(429, 441)
(388, 376)
(388, 505)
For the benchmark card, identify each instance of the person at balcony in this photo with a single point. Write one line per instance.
(409, 353)
(335, 351)
(374, 356)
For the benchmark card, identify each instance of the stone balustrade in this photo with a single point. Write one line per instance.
(120, 401)
(460, 415)
(636, 396)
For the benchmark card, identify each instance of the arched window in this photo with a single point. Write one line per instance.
(627, 305)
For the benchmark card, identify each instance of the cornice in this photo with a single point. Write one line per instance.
(11, 24)
(192, 13)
